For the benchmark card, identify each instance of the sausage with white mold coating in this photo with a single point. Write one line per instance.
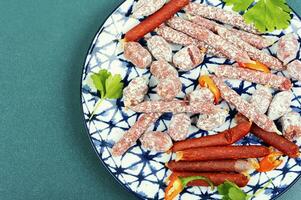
(137, 54)
(291, 125)
(188, 58)
(147, 7)
(202, 94)
(179, 126)
(156, 141)
(280, 105)
(159, 48)
(169, 87)
(212, 121)
(135, 92)
(261, 99)
(294, 70)
(288, 47)
(162, 69)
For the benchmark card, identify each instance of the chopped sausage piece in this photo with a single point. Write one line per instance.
(261, 99)
(244, 107)
(291, 124)
(272, 80)
(179, 126)
(294, 70)
(188, 58)
(147, 7)
(156, 141)
(136, 54)
(169, 87)
(159, 48)
(212, 121)
(162, 69)
(202, 94)
(288, 47)
(280, 105)
(221, 15)
(134, 93)
(203, 34)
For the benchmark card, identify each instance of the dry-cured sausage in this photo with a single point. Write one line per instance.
(188, 58)
(291, 125)
(156, 141)
(288, 47)
(136, 54)
(136, 90)
(159, 48)
(179, 126)
(280, 105)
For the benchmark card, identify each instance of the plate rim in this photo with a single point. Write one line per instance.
(89, 51)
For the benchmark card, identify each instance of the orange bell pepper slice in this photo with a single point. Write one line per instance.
(270, 162)
(206, 81)
(255, 65)
(177, 185)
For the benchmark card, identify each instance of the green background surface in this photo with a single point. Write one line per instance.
(44, 150)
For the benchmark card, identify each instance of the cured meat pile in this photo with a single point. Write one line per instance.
(200, 34)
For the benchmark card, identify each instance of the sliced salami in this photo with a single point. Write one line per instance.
(294, 70)
(261, 99)
(162, 69)
(133, 134)
(169, 87)
(272, 80)
(291, 125)
(253, 52)
(203, 34)
(147, 7)
(159, 48)
(136, 54)
(188, 58)
(136, 90)
(221, 15)
(280, 105)
(212, 121)
(288, 47)
(179, 126)
(201, 95)
(156, 141)
(245, 108)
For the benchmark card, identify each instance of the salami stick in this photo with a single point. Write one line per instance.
(134, 133)
(153, 21)
(156, 141)
(253, 39)
(174, 106)
(216, 178)
(226, 137)
(269, 79)
(210, 166)
(162, 70)
(222, 152)
(244, 107)
(253, 52)
(273, 139)
(203, 34)
(221, 15)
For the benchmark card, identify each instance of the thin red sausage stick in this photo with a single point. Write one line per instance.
(216, 178)
(279, 142)
(226, 137)
(153, 21)
(222, 153)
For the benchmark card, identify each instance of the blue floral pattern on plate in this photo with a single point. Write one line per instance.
(141, 171)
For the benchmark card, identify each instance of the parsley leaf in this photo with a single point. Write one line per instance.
(231, 191)
(268, 15)
(110, 86)
(239, 5)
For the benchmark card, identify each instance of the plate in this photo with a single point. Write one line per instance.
(143, 172)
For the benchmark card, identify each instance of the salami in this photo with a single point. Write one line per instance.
(147, 7)
(244, 107)
(162, 69)
(212, 121)
(156, 141)
(179, 126)
(134, 133)
(294, 70)
(280, 105)
(288, 47)
(203, 34)
(174, 106)
(188, 58)
(272, 80)
(277, 141)
(169, 87)
(221, 15)
(261, 99)
(136, 90)
(291, 125)
(253, 39)
(253, 52)
(222, 152)
(136, 54)
(224, 138)
(216, 178)
(159, 48)
(211, 166)
(202, 94)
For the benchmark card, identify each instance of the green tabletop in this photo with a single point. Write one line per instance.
(44, 150)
